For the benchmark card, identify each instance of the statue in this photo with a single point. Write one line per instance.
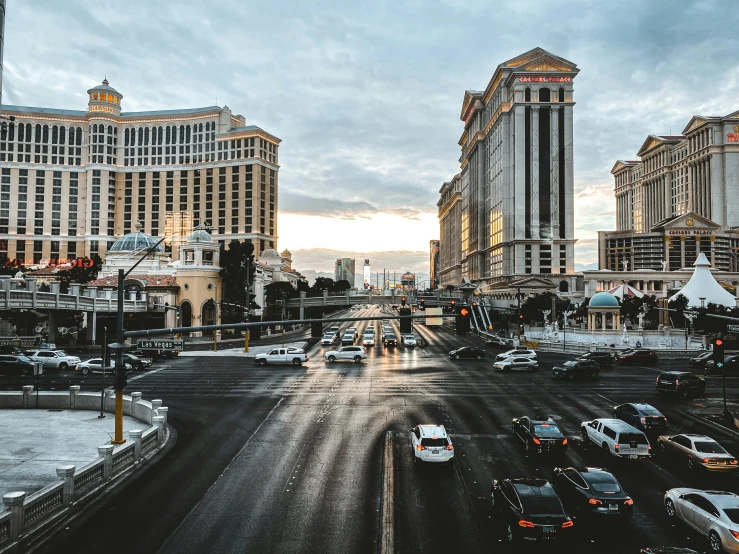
(546, 316)
(640, 317)
(625, 336)
(625, 264)
(664, 265)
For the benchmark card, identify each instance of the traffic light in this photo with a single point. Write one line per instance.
(463, 320)
(718, 353)
(474, 304)
(520, 321)
(452, 302)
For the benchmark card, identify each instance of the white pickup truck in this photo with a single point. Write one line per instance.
(294, 356)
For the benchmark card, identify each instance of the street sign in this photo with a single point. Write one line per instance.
(732, 328)
(166, 344)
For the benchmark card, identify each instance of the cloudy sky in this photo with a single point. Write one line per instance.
(366, 98)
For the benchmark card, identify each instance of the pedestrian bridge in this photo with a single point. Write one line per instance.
(351, 299)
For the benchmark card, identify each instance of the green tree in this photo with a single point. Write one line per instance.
(274, 291)
(632, 306)
(321, 284)
(679, 303)
(237, 271)
(303, 286)
(341, 285)
(534, 306)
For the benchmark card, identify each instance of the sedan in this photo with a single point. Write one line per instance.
(95, 365)
(603, 359)
(468, 352)
(698, 451)
(644, 417)
(498, 342)
(328, 338)
(539, 434)
(593, 492)
(408, 340)
(516, 352)
(642, 356)
(136, 362)
(368, 339)
(519, 363)
(714, 514)
(15, 365)
(575, 369)
(701, 359)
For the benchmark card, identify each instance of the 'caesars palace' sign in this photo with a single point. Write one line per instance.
(690, 232)
(545, 79)
(106, 109)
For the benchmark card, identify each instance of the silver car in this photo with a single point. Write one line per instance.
(714, 514)
(520, 363)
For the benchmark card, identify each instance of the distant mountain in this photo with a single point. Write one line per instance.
(586, 267)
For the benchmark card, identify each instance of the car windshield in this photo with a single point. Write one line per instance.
(546, 429)
(23, 359)
(732, 514)
(709, 447)
(328, 336)
(570, 364)
(628, 438)
(61, 353)
(603, 482)
(542, 505)
(648, 410)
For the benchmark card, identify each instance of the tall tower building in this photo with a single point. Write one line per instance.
(516, 173)
(344, 270)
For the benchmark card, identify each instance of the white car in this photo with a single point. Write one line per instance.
(356, 353)
(430, 443)
(408, 340)
(714, 514)
(282, 356)
(57, 359)
(328, 338)
(524, 352)
(370, 329)
(521, 363)
(348, 338)
(95, 365)
(368, 339)
(352, 330)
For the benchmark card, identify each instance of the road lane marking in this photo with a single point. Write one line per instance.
(604, 397)
(387, 521)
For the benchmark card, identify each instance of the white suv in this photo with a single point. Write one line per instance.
(356, 353)
(430, 443)
(57, 359)
(616, 438)
(523, 352)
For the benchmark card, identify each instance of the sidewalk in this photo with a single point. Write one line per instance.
(36, 442)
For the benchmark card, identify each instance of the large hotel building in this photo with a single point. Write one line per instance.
(74, 181)
(508, 214)
(676, 201)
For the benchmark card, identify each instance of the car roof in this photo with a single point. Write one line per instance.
(430, 430)
(542, 419)
(586, 471)
(698, 437)
(640, 405)
(675, 373)
(723, 499)
(527, 487)
(617, 423)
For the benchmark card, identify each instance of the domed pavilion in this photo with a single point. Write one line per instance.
(604, 312)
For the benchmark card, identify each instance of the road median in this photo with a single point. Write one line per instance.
(387, 521)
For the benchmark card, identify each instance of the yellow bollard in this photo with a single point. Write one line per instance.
(215, 341)
(118, 418)
(246, 341)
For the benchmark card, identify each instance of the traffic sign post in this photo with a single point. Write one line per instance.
(165, 344)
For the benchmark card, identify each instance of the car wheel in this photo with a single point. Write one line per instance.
(332, 359)
(456, 357)
(714, 541)
(357, 359)
(584, 434)
(63, 367)
(85, 370)
(262, 361)
(606, 451)
(296, 361)
(530, 368)
(670, 508)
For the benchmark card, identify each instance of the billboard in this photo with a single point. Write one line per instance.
(367, 275)
(433, 317)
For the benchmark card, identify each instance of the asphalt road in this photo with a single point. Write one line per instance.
(286, 459)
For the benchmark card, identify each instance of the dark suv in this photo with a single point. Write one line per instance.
(641, 356)
(642, 416)
(531, 511)
(576, 368)
(603, 359)
(680, 382)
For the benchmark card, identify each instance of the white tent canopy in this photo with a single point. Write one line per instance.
(703, 285)
(625, 290)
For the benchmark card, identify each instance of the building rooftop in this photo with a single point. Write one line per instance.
(83, 113)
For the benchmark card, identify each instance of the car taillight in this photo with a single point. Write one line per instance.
(524, 523)
(677, 383)
(649, 447)
(733, 462)
(594, 501)
(629, 502)
(420, 447)
(567, 524)
(449, 447)
(705, 460)
(643, 420)
(615, 447)
(564, 441)
(734, 534)
(536, 441)
(658, 380)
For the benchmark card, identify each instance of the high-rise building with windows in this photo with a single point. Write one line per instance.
(515, 183)
(344, 270)
(73, 181)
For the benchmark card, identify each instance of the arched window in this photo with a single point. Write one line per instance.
(182, 133)
(561, 94)
(21, 127)
(545, 95)
(146, 136)
(564, 286)
(94, 129)
(207, 126)
(37, 137)
(94, 95)
(141, 136)
(187, 135)
(159, 135)
(29, 131)
(110, 129)
(11, 131)
(125, 138)
(168, 134)
(79, 136)
(201, 127)
(54, 135)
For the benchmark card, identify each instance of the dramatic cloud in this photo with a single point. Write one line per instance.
(366, 96)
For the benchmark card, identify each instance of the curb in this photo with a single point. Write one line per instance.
(716, 426)
(387, 521)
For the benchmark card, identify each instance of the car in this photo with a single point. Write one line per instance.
(644, 417)
(430, 443)
(667, 550)
(516, 352)
(335, 329)
(531, 511)
(281, 356)
(575, 369)
(369, 329)
(638, 356)
(539, 434)
(352, 330)
(15, 365)
(328, 338)
(95, 365)
(603, 359)
(701, 359)
(698, 451)
(468, 353)
(389, 340)
(355, 353)
(714, 514)
(10, 350)
(520, 363)
(683, 383)
(498, 342)
(54, 359)
(137, 363)
(731, 366)
(348, 338)
(407, 339)
(592, 492)
(616, 438)
(368, 339)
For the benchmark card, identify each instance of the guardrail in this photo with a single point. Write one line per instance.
(29, 299)
(26, 517)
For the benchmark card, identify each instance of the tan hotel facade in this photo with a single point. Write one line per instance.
(72, 182)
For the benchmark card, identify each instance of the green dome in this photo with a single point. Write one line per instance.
(603, 300)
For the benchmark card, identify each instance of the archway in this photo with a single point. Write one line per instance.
(208, 316)
(564, 286)
(186, 315)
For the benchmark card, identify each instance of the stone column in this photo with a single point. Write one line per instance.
(52, 325)
(302, 304)
(162, 411)
(682, 252)
(135, 436)
(158, 422)
(66, 473)
(554, 194)
(106, 452)
(13, 502)
(713, 252)
(534, 172)
(605, 317)
(73, 390)
(519, 178)
(154, 405)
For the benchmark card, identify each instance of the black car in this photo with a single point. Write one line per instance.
(531, 511)
(15, 365)
(731, 365)
(539, 434)
(576, 368)
(701, 359)
(667, 550)
(683, 383)
(592, 491)
(138, 364)
(9, 349)
(603, 359)
(497, 342)
(642, 416)
(468, 352)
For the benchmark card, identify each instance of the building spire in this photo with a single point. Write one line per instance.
(105, 80)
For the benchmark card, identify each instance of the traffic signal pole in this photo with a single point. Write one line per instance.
(120, 374)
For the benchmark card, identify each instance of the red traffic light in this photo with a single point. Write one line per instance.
(453, 302)
(464, 312)
(718, 342)
(474, 304)
(520, 317)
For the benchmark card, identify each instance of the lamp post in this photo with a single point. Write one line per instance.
(105, 366)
